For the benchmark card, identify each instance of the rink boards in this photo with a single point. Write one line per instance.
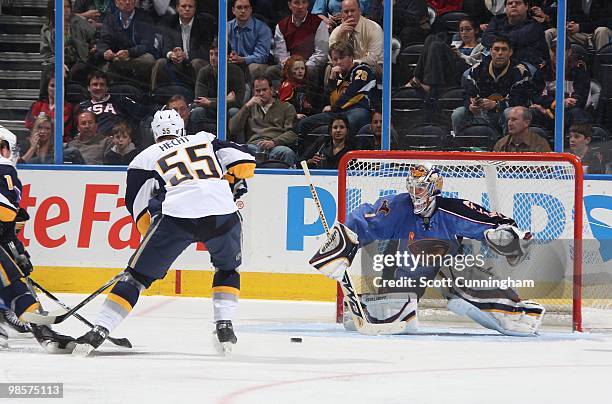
(80, 233)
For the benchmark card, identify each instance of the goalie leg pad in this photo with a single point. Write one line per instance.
(519, 323)
(337, 254)
(386, 308)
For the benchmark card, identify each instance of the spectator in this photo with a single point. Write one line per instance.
(109, 108)
(267, 124)
(445, 6)
(185, 49)
(363, 35)
(126, 43)
(123, 150)
(92, 144)
(327, 151)
(370, 136)
(545, 12)
(441, 65)
(492, 87)
(206, 91)
(193, 120)
(519, 137)
(589, 23)
(94, 11)
(79, 38)
(580, 137)
(330, 11)
(249, 39)
(47, 107)
(294, 87)
(41, 149)
(410, 21)
(301, 34)
(350, 85)
(159, 9)
(577, 89)
(525, 34)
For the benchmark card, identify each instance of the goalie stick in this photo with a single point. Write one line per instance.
(58, 316)
(363, 322)
(123, 342)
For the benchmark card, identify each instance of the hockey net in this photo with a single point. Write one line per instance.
(541, 191)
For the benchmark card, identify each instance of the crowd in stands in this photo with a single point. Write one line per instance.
(304, 77)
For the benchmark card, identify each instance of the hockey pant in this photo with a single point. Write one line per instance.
(13, 291)
(165, 240)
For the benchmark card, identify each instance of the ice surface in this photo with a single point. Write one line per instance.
(174, 361)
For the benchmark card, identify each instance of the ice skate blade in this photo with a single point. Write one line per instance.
(82, 350)
(224, 348)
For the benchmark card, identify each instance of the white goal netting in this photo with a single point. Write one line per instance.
(538, 191)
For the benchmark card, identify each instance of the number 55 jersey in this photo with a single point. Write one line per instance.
(186, 176)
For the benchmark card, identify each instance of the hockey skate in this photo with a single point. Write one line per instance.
(9, 318)
(51, 341)
(224, 331)
(3, 338)
(85, 344)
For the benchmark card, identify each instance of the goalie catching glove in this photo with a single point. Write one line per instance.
(509, 241)
(336, 255)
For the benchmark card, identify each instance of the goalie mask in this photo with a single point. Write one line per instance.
(11, 139)
(423, 184)
(167, 122)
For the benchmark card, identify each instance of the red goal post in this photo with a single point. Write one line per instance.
(365, 176)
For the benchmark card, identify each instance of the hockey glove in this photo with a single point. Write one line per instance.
(20, 220)
(239, 188)
(509, 241)
(336, 255)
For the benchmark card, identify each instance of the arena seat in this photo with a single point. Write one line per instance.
(424, 136)
(481, 137)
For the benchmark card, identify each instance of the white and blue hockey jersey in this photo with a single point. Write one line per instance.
(186, 177)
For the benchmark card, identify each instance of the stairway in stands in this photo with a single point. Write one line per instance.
(20, 60)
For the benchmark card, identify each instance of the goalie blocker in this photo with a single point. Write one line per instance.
(337, 254)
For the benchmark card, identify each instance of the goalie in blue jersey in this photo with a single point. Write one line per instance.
(420, 230)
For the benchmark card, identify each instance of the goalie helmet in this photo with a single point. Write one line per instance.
(423, 183)
(167, 122)
(11, 139)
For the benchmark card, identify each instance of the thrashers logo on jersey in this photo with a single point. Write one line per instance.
(384, 207)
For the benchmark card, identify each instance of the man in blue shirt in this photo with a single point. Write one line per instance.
(250, 39)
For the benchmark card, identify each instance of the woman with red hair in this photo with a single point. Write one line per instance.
(294, 87)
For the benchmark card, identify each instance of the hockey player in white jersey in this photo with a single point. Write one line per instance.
(179, 191)
(422, 221)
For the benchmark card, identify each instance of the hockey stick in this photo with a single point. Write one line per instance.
(58, 316)
(123, 342)
(363, 322)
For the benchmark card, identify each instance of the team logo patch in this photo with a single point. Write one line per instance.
(384, 208)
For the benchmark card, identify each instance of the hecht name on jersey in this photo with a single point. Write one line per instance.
(168, 144)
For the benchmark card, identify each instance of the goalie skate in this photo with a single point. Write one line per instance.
(224, 337)
(87, 343)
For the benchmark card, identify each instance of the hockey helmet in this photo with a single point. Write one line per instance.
(11, 139)
(423, 183)
(167, 122)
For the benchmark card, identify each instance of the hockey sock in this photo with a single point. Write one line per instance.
(18, 298)
(225, 292)
(119, 303)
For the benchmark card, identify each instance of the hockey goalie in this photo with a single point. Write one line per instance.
(410, 230)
